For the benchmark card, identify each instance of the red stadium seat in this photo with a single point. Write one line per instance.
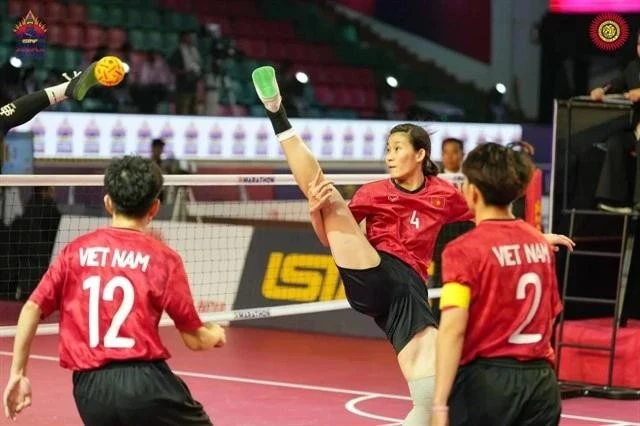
(36, 7)
(15, 8)
(324, 94)
(77, 13)
(55, 34)
(74, 36)
(94, 37)
(55, 12)
(257, 49)
(116, 38)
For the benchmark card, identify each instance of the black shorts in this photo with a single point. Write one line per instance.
(394, 295)
(136, 393)
(505, 392)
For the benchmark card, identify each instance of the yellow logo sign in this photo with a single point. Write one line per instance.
(300, 277)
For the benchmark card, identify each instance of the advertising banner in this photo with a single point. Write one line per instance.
(61, 135)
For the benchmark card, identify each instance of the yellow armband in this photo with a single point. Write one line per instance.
(455, 295)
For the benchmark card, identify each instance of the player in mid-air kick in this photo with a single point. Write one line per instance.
(384, 272)
(26, 107)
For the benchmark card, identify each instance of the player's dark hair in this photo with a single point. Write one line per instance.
(133, 183)
(500, 173)
(419, 139)
(455, 141)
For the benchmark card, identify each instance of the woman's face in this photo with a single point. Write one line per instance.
(402, 159)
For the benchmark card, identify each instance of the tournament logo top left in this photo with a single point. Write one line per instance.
(30, 35)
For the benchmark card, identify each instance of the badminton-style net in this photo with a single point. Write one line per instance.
(246, 240)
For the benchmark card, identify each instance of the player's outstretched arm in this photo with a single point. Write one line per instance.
(17, 394)
(557, 240)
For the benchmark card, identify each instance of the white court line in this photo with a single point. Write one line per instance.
(255, 381)
(350, 406)
(610, 422)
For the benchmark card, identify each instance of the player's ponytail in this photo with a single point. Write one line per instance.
(420, 139)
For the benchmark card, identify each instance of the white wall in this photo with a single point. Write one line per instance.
(514, 57)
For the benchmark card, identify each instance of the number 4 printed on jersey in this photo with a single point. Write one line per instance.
(415, 220)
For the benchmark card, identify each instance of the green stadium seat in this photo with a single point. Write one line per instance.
(50, 60)
(137, 39)
(6, 50)
(115, 17)
(171, 40)
(151, 19)
(134, 17)
(97, 13)
(68, 59)
(155, 41)
(6, 32)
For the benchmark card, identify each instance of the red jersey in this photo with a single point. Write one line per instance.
(111, 287)
(406, 224)
(510, 270)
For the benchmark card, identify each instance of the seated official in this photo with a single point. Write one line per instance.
(619, 183)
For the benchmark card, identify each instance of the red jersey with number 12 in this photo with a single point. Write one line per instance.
(510, 270)
(111, 287)
(406, 224)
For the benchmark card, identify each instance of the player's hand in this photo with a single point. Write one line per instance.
(321, 193)
(633, 95)
(219, 332)
(559, 240)
(17, 396)
(440, 418)
(597, 94)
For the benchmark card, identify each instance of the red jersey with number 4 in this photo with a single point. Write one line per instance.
(510, 269)
(111, 287)
(406, 224)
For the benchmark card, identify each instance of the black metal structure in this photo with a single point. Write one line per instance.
(580, 125)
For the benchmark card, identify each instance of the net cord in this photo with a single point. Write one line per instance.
(236, 315)
(196, 179)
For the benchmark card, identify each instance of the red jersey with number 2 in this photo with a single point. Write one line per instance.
(406, 224)
(510, 270)
(111, 287)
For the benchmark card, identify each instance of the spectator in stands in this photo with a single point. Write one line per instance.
(618, 190)
(452, 155)
(186, 64)
(33, 236)
(151, 83)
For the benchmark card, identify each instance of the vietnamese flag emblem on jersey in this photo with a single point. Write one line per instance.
(437, 202)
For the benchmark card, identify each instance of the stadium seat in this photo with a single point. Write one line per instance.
(55, 12)
(55, 34)
(151, 19)
(6, 50)
(155, 41)
(95, 36)
(134, 17)
(14, 8)
(137, 39)
(6, 32)
(77, 13)
(115, 17)
(73, 36)
(116, 37)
